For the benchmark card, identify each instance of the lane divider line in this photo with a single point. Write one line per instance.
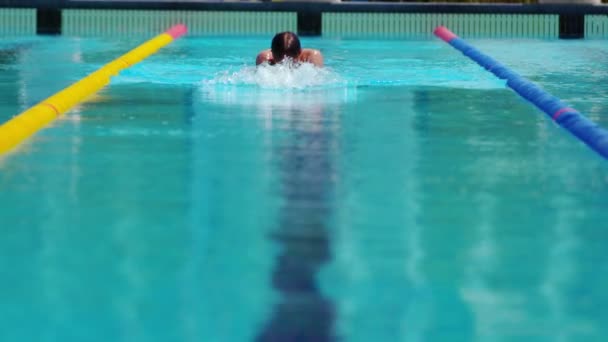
(584, 129)
(57, 112)
(27, 123)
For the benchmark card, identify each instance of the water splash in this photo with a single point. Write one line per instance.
(279, 76)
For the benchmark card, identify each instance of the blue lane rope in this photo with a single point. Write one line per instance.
(588, 132)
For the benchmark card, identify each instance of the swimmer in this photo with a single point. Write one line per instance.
(287, 44)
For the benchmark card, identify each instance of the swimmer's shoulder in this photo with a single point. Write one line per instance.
(313, 56)
(264, 56)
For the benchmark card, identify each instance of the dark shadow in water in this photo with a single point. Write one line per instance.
(303, 312)
(10, 79)
(9, 56)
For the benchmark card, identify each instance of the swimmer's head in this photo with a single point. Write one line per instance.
(285, 44)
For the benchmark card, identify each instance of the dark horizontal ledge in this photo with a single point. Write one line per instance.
(303, 6)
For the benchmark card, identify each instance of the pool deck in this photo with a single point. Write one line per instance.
(409, 7)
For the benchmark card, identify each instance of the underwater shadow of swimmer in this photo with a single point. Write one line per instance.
(303, 312)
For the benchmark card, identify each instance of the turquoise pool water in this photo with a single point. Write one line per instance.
(400, 194)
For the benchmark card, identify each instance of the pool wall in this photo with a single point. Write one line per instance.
(336, 19)
(596, 26)
(420, 24)
(116, 22)
(17, 21)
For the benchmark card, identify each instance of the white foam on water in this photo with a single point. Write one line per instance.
(285, 75)
(287, 98)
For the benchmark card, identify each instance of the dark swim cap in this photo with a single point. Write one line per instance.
(285, 44)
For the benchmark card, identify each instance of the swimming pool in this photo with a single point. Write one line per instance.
(401, 194)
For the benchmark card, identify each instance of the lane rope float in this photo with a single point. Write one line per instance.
(584, 129)
(27, 123)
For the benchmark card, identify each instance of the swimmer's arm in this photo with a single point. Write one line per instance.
(264, 56)
(313, 56)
